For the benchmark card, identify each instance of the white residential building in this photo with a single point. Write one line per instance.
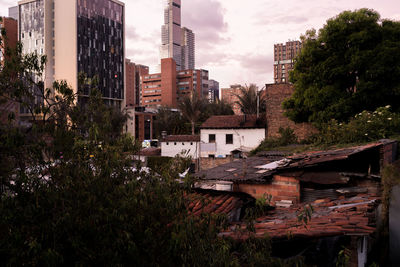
(223, 136)
(188, 145)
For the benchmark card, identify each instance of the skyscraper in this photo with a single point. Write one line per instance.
(188, 49)
(171, 37)
(78, 36)
(284, 55)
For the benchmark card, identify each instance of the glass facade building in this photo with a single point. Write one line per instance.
(78, 36)
(100, 31)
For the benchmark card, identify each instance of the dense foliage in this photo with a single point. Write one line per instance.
(286, 137)
(70, 196)
(363, 127)
(353, 64)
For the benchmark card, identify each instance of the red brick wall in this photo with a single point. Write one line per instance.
(276, 94)
(168, 82)
(130, 72)
(229, 95)
(281, 188)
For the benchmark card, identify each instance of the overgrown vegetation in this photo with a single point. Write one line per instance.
(286, 137)
(363, 127)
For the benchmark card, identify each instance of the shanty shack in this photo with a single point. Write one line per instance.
(307, 176)
(327, 203)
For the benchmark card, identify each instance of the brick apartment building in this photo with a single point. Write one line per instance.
(133, 73)
(171, 86)
(10, 26)
(229, 95)
(284, 55)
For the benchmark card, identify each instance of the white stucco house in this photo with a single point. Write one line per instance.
(223, 136)
(188, 145)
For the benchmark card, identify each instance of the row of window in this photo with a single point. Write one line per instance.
(175, 143)
(228, 139)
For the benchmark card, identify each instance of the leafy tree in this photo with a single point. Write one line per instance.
(191, 108)
(170, 121)
(251, 100)
(353, 64)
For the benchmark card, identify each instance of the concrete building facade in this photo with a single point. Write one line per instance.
(171, 36)
(78, 36)
(188, 49)
(284, 55)
(170, 86)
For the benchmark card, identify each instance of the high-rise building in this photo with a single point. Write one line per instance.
(171, 36)
(133, 90)
(188, 49)
(9, 41)
(169, 87)
(13, 12)
(78, 36)
(213, 91)
(230, 96)
(284, 55)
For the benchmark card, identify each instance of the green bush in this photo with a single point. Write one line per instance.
(363, 127)
(287, 137)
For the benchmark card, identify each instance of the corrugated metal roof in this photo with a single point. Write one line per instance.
(249, 169)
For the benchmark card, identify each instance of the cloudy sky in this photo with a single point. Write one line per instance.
(234, 38)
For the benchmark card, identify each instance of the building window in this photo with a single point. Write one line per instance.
(211, 138)
(211, 156)
(191, 143)
(229, 139)
(167, 144)
(183, 144)
(175, 144)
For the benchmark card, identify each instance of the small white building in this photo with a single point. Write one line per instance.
(188, 145)
(222, 136)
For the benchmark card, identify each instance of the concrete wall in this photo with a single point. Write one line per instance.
(276, 94)
(171, 149)
(242, 138)
(65, 40)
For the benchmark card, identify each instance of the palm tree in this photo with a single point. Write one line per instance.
(191, 108)
(251, 100)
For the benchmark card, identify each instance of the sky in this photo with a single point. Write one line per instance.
(234, 38)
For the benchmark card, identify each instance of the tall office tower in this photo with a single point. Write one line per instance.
(188, 49)
(213, 91)
(284, 55)
(78, 36)
(13, 12)
(9, 41)
(171, 32)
